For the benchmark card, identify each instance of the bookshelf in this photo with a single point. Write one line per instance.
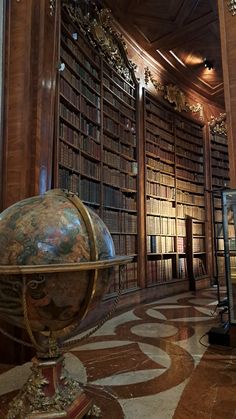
(220, 181)
(96, 141)
(174, 195)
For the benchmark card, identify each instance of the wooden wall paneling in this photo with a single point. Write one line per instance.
(30, 65)
(228, 51)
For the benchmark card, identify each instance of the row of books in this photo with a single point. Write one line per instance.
(89, 146)
(190, 198)
(159, 153)
(159, 165)
(217, 171)
(127, 278)
(90, 95)
(189, 127)
(220, 139)
(69, 134)
(195, 212)
(198, 229)
(220, 154)
(68, 180)
(90, 128)
(127, 86)
(72, 33)
(125, 244)
(189, 154)
(70, 78)
(153, 122)
(90, 111)
(158, 207)
(79, 69)
(119, 162)
(120, 221)
(184, 145)
(220, 163)
(199, 245)
(153, 175)
(70, 116)
(90, 168)
(128, 151)
(68, 157)
(160, 190)
(118, 199)
(199, 268)
(79, 56)
(181, 244)
(188, 175)
(220, 182)
(116, 91)
(159, 271)
(118, 179)
(158, 110)
(69, 93)
(161, 225)
(190, 187)
(196, 167)
(160, 244)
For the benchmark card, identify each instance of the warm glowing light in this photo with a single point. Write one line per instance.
(177, 58)
(166, 59)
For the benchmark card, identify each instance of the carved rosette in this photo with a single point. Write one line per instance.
(173, 94)
(218, 124)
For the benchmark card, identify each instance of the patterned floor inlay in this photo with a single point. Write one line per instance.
(150, 363)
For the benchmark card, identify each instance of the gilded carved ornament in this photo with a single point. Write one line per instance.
(52, 7)
(173, 94)
(232, 7)
(218, 124)
(96, 26)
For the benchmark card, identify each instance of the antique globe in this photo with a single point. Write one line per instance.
(56, 260)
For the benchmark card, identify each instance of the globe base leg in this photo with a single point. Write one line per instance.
(50, 393)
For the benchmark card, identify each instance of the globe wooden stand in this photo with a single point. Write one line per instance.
(50, 393)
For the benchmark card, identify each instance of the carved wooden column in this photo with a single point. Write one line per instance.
(31, 38)
(227, 16)
(30, 73)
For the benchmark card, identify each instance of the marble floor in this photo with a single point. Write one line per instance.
(154, 362)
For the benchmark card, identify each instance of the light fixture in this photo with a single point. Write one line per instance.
(208, 64)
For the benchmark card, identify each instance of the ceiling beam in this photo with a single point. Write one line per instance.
(189, 31)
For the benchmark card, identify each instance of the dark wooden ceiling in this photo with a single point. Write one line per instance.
(179, 34)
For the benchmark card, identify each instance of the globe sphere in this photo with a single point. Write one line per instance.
(55, 261)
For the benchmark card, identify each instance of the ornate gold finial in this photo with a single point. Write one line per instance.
(232, 7)
(218, 124)
(173, 94)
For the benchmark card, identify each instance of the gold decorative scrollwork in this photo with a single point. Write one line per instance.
(96, 26)
(173, 94)
(32, 398)
(218, 124)
(232, 7)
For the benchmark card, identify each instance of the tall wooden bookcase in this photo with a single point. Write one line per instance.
(220, 181)
(98, 155)
(96, 143)
(175, 200)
